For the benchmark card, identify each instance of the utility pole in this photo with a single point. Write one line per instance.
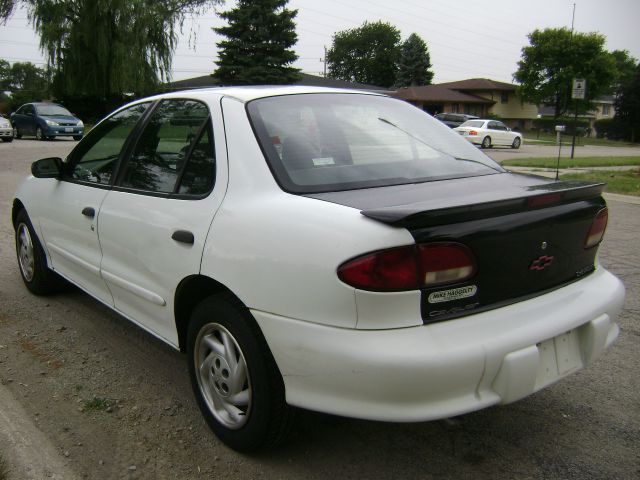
(573, 96)
(324, 60)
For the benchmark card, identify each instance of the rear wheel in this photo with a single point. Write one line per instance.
(7, 139)
(35, 273)
(486, 142)
(234, 376)
(516, 143)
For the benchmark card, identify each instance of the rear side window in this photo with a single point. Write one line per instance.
(331, 142)
(176, 130)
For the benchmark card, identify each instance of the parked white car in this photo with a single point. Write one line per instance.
(489, 133)
(6, 130)
(326, 249)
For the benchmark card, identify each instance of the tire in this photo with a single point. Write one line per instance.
(39, 134)
(77, 137)
(16, 133)
(486, 142)
(32, 262)
(7, 140)
(516, 143)
(223, 336)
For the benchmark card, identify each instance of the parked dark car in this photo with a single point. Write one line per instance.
(454, 120)
(46, 121)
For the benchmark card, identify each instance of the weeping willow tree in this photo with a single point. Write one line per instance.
(106, 48)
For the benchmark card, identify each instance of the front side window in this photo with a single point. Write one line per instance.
(96, 157)
(329, 142)
(174, 130)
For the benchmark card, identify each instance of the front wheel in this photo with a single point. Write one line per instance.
(77, 137)
(234, 376)
(486, 142)
(16, 133)
(39, 134)
(7, 139)
(36, 275)
(516, 143)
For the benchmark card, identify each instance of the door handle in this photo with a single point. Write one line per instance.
(183, 236)
(89, 212)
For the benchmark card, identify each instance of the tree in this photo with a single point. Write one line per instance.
(5, 74)
(414, 63)
(554, 58)
(106, 48)
(260, 34)
(366, 54)
(625, 67)
(628, 105)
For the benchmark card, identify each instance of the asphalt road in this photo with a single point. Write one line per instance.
(58, 353)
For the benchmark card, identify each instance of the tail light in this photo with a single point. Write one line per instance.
(473, 132)
(596, 232)
(409, 268)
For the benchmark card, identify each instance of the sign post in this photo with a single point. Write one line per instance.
(578, 90)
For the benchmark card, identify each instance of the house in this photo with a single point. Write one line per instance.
(604, 107)
(476, 96)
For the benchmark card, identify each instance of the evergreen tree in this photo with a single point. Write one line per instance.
(414, 63)
(628, 105)
(260, 34)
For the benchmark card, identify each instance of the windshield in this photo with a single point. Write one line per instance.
(51, 110)
(330, 142)
(473, 123)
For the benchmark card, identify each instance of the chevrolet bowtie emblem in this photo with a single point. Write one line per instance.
(541, 263)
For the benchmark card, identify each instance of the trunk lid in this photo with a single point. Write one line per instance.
(527, 233)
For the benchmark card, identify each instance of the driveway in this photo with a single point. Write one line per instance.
(58, 353)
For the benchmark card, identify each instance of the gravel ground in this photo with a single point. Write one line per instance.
(116, 403)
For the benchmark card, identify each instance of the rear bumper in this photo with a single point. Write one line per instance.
(448, 368)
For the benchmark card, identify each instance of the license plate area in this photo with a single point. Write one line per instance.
(559, 356)
(68, 129)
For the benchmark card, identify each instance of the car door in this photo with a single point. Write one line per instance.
(70, 212)
(20, 120)
(154, 224)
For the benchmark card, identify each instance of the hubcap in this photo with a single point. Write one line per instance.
(222, 375)
(25, 252)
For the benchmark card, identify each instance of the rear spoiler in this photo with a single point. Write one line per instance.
(533, 197)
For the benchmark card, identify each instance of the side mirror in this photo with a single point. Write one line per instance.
(47, 168)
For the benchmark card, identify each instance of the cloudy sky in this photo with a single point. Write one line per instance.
(466, 38)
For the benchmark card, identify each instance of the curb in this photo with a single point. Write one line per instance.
(27, 451)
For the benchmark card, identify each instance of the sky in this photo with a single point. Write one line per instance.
(466, 38)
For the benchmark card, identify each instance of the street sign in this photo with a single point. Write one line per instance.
(579, 87)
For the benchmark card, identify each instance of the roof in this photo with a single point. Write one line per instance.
(305, 80)
(247, 93)
(479, 84)
(438, 93)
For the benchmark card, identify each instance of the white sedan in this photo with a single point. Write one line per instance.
(488, 133)
(326, 249)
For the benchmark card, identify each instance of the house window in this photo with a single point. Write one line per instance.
(606, 110)
(504, 97)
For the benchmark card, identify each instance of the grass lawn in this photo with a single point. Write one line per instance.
(625, 182)
(548, 138)
(550, 162)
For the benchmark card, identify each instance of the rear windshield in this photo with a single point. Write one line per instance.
(50, 110)
(473, 123)
(332, 142)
